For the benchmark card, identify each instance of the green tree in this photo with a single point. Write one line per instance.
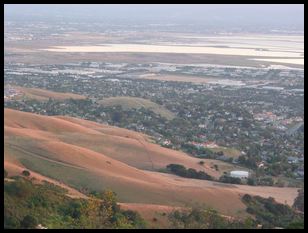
(98, 212)
(299, 201)
(121, 222)
(91, 218)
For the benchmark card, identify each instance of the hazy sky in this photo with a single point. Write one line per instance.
(247, 15)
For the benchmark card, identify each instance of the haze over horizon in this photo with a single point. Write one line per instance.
(241, 17)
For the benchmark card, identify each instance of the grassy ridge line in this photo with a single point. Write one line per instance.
(44, 95)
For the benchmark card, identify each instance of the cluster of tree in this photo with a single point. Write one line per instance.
(229, 179)
(266, 181)
(276, 165)
(27, 204)
(248, 161)
(270, 213)
(299, 201)
(263, 181)
(281, 167)
(198, 152)
(202, 152)
(205, 218)
(180, 170)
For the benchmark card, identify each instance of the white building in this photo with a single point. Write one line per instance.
(239, 174)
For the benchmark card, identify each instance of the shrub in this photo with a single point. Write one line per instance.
(177, 169)
(204, 176)
(26, 173)
(11, 222)
(247, 198)
(74, 209)
(131, 215)
(250, 210)
(199, 218)
(37, 200)
(128, 219)
(251, 181)
(220, 153)
(296, 225)
(29, 222)
(229, 179)
(19, 189)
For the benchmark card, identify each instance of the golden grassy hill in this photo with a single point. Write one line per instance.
(83, 154)
(44, 95)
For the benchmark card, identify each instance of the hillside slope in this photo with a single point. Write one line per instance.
(44, 95)
(87, 155)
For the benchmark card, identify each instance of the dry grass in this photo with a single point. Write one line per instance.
(86, 154)
(44, 95)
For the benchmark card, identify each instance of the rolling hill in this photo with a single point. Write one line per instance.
(127, 102)
(87, 155)
(44, 95)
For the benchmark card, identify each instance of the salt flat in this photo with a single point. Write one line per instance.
(282, 60)
(146, 48)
